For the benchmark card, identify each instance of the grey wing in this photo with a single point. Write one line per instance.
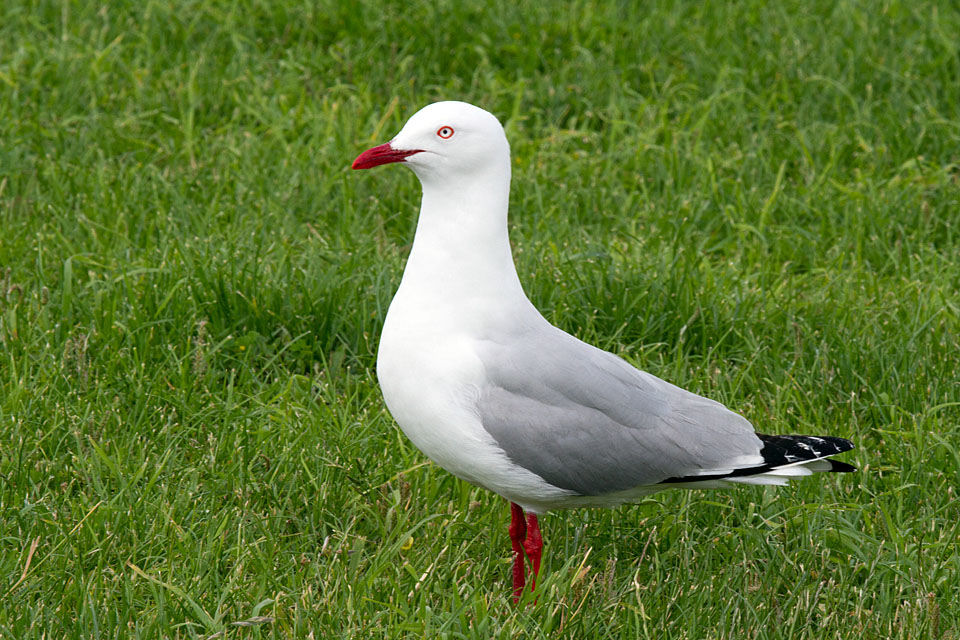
(587, 421)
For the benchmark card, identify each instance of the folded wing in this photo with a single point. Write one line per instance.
(587, 421)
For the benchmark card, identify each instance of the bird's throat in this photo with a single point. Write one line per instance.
(462, 247)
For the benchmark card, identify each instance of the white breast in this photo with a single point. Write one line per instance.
(430, 377)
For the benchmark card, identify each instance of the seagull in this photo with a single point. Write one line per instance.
(492, 392)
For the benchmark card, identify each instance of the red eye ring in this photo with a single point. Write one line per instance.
(445, 132)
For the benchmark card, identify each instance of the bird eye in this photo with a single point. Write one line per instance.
(445, 132)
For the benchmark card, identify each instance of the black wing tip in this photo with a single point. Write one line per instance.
(842, 443)
(841, 467)
(780, 451)
(837, 441)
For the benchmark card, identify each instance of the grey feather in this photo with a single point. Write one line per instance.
(587, 421)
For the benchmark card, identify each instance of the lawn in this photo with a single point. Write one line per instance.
(756, 201)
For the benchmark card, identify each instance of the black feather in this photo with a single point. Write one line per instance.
(779, 451)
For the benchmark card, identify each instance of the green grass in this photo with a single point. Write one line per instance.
(757, 201)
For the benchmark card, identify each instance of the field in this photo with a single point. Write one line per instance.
(756, 201)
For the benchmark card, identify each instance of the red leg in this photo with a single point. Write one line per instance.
(533, 545)
(518, 533)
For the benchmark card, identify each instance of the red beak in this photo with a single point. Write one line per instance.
(383, 154)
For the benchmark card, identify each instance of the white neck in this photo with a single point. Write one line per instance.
(461, 253)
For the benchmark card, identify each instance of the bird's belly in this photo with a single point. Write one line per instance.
(428, 389)
(430, 385)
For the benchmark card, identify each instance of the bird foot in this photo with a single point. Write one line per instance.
(526, 540)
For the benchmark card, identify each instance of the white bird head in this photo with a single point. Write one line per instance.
(443, 141)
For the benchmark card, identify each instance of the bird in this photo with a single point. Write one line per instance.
(493, 393)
